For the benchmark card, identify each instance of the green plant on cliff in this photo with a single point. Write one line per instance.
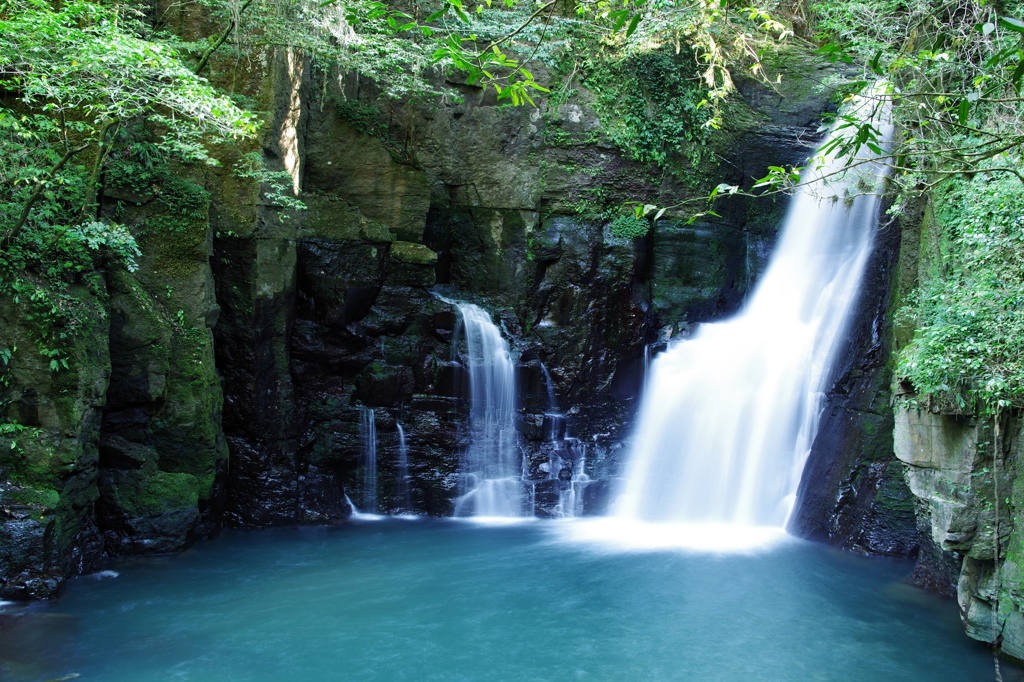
(84, 67)
(967, 353)
(650, 104)
(630, 227)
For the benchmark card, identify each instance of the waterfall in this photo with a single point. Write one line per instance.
(727, 417)
(368, 438)
(403, 496)
(491, 466)
(566, 460)
(553, 418)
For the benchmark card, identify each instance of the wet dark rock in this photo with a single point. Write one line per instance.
(853, 493)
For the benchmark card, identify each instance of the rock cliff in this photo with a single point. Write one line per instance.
(224, 381)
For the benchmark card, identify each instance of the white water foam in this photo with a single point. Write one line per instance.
(612, 534)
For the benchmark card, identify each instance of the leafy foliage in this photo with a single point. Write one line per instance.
(954, 70)
(80, 59)
(57, 246)
(650, 104)
(967, 354)
(629, 226)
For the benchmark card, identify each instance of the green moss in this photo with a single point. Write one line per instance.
(44, 499)
(893, 496)
(34, 456)
(415, 254)
(158, 493)
(629, 227)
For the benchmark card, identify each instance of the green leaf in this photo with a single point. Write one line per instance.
(834, 52)
(963, 111)
(875, 64)
(1015, 77)
(620, 17)
(633, 24)
(1012, 24)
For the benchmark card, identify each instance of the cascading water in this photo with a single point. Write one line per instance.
(368, 438)
(728, 416)
(403, 496)
(491, 466)
(566, 460)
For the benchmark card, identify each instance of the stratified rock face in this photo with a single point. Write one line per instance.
(329, 312)
(967, 473)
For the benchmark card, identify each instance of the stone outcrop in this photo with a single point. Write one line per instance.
(966, 472)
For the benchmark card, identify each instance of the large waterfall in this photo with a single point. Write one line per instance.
(492, 464)
(728, 416)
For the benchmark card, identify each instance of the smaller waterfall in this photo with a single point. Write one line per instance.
(368, 440)
(491, 467)
(567, 466)
(566, 460)
(554, 420)
(549, 386)
(403, 496)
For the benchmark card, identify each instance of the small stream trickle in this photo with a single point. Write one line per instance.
(368, 440)
(403, 493)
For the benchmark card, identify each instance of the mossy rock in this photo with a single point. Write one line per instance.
(329, 217)
(139, 495)
(413, 254)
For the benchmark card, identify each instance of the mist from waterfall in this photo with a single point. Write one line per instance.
(728, 416)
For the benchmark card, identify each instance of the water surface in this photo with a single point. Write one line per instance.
(451, 600)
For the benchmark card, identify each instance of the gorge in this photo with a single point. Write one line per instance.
(420, 412)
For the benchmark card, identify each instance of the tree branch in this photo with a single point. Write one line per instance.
(509, 36)
(205, 59)
(94, 175)
(40, 186)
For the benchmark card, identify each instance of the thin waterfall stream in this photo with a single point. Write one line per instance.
(368, 437)
(403, 493)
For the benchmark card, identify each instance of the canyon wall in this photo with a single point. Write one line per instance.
(223, 382)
